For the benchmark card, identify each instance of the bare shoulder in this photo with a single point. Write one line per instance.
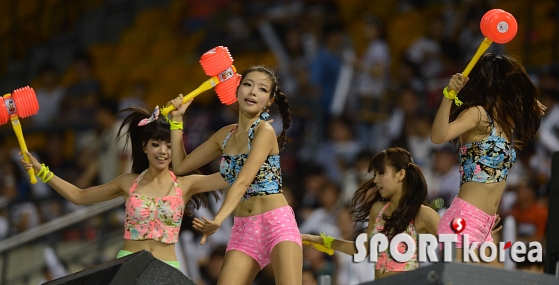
(375, 209)
(266, 128)
(126, 180)
(476, 113)
(222, 133)
(427, 218)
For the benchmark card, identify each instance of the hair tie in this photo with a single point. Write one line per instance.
(409, 164)
(153, 117)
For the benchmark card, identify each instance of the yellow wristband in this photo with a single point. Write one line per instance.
(175, 125)
(454, 97)
(327, 240)
(49, 178)
(42, 170)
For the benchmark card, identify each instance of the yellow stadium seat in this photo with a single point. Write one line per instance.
(102, 52)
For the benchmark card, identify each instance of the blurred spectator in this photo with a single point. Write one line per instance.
(324, 218)
(446, 174)
(393, 127)
(530, 215)
(314, 179)
(81, 98)
(417, 139)
(136, 99)
(308, 277)
(210, 270)
(372, 77)
(22, 212)
(114, 160)
(325, 68)
(355, 176)
(425, 51)
(349, 272)
(49, 96)
(339, 151)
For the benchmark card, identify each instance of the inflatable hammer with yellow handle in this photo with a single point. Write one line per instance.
(218, 64)
(320, 247)
(21, 103)
(497, 26)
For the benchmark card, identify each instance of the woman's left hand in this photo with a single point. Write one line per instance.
(542, 108)
(207, 227)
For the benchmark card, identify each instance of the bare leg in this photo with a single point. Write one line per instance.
(238, 269)
(287, 261)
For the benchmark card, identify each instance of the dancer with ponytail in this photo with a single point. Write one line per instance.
(264, 230)
(497, 114)
(155, 198)
(391, 203)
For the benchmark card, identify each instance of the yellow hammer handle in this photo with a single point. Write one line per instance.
(480, 50)
(207, 85)
(320, 247)
(19, 134)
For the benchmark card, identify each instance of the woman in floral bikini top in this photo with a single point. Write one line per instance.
(497, 114)
(391, 203)
(155, 198)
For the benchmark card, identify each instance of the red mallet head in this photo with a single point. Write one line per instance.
(22, 102)
(227, 90)
(216, 60)
(499, 26)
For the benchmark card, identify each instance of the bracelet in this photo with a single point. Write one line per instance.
(455, 97)
(327, 240)
(175, 125)
(42, 174)
(48, 178)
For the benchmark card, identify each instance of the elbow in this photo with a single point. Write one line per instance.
(437, 139)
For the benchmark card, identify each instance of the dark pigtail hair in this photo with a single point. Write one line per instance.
(279, 98)
(415, 192)
(138, 136)
(283, 106)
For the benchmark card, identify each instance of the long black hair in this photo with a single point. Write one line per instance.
(279, 99)
(415, 191)
(500, 84)
(138, 136)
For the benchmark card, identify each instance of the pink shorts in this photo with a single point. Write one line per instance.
(478, 223)
(257, 235)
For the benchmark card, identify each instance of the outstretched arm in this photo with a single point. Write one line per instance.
(264, 140)
(76, 195)
(206, 183)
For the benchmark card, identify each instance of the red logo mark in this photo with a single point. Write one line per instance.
(507, 245)
(458, 225)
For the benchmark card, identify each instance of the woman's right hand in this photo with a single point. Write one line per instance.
(33, 162)
(180, 107)
(457, 82)
(312, 238)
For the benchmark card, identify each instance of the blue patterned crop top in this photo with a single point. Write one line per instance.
(486, 161)
(268, 179)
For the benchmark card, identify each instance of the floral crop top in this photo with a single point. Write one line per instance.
(486, 161)
(267, 181)
(385, 263)
(155, 218)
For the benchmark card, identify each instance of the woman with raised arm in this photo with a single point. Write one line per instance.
(264, 230)
(496, 115)
(155, 198)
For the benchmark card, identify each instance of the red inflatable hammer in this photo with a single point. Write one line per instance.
(21, 103)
